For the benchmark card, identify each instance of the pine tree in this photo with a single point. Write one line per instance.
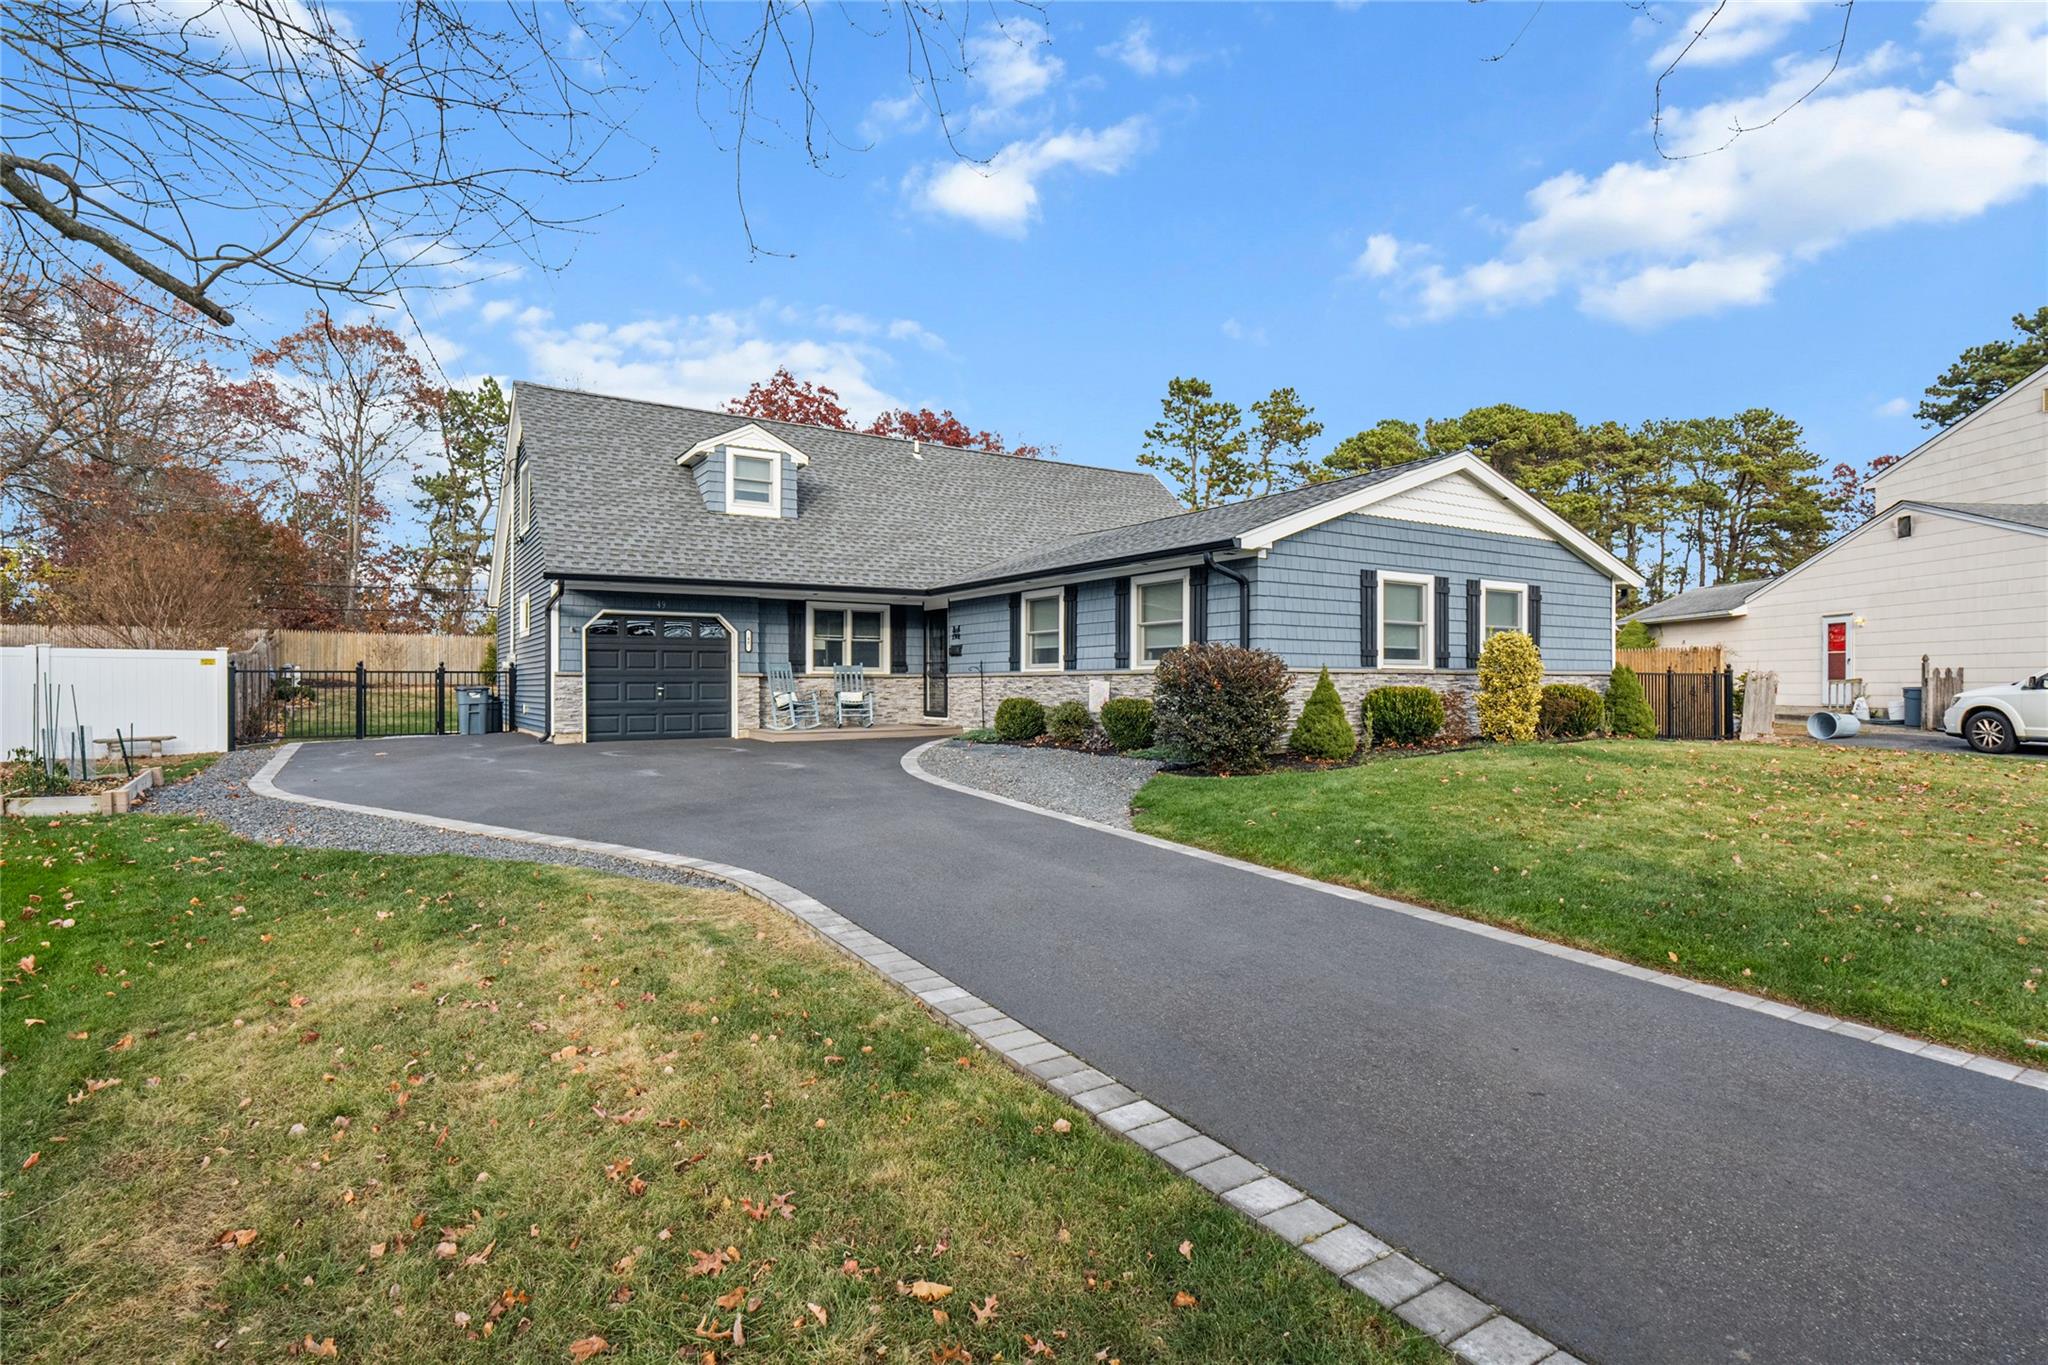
(1628, 710)
(1323, 730)
(1280, 440)
(1198, 443)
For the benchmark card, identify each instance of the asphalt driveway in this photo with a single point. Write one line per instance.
(1637, 1173)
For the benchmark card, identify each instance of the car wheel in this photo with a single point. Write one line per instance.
(1988, 732)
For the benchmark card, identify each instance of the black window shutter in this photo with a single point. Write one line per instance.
(1123, 623)
(1472, 623)
(797, 662)
(1072, 603)
(1535, 613)
(1016, 632)
(899, 639)
(1198, 594)
(1368, 618)
(1443, 622)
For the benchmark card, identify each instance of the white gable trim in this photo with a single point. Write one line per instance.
(752, 436)
(1489, 479)
(501, 534)
(1952, 428)
(1455, 500)
(1884, 520)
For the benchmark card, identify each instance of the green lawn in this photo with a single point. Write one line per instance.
(1905, 890)
(542, 1105)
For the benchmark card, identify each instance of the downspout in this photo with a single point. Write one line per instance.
(1244, 598)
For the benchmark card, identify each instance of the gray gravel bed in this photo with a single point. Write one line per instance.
(221, 794)
(1093, 786)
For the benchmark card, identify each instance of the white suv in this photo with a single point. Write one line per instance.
(1993, 720)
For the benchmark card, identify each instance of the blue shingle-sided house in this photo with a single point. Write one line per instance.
(652, 560)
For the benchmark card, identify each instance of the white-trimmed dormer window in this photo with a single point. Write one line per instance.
(753, 482)
(742, 471)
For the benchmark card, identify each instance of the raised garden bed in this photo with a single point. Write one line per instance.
(101, 796)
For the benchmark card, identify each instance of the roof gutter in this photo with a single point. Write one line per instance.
(1244, 598)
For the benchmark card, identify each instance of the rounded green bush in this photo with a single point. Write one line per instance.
(1222, 705)
(1628, 710)
(1322, 731)
(1569, 710)
(1018, 719)
(1069, 722)
(1128, 722)
(1403, 715)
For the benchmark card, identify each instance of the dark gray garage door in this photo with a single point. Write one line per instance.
(657, 677)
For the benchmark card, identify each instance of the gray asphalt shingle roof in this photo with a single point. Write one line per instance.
(1184, 531)
(1718, 600)
(870, 514)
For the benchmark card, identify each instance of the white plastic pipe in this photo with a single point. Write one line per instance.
(1832, 725)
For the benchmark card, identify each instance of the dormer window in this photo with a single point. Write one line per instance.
(742, 472)
(753, 483)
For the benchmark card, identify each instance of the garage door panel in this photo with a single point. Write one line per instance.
(657, 678)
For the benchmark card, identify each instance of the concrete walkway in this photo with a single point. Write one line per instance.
(1640, 1174)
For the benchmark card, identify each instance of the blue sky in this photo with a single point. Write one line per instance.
(1350, 200)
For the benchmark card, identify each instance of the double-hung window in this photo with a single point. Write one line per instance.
(1042, 637)
(1159, 616)
(1404, 620)
(753, 483)
(1502, 606)
(848, 635)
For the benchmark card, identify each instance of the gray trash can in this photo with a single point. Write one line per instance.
(476, 711)
(1914, 703)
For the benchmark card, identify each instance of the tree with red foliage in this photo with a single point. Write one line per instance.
(1849, 491)
(785, 398)
(360, 404)
(943, 428)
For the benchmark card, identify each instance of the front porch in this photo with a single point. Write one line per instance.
(829, 731)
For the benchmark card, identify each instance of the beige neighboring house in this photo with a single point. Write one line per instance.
(1953, 566)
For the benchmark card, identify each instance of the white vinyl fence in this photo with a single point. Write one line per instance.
(177, 692)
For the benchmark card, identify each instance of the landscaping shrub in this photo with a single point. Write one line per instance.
(1403, 715)
(1510, 687)
(1019, 718)
(1128, 722)
(981, 737)
(489, 665)
(1569, 710)
(1069, 722)
(1457, 715)
(1222, 705)
(1322, 731)
(1628, 710)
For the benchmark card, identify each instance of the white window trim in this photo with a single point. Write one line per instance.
(773, 507)
(1427, 582)
(523, 494)
(1139, 662)
(1058, 597)
(811, 611)
(1521, 591)
(525, 616)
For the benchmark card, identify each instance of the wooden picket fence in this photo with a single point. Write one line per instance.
(325, 649)
(1674, 659)
(1941, 687)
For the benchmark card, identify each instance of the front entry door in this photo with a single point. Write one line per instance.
(935, 698)
(1838, 661)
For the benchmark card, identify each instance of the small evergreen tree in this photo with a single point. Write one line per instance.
(1510, 687)
(1323, 730)
(1628, 710)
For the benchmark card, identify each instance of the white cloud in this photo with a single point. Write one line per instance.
(901, 115)
(1740, 32)
(1893, 407)
(497, 310)
(1137, 51)
(1007, 67)
(704, 359)
(1381, 255)
(1003, 195)
(1238, 331)
(1645, 242)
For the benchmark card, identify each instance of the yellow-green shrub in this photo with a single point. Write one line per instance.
(1510, 687)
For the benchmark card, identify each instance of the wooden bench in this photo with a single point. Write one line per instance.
(111, 744)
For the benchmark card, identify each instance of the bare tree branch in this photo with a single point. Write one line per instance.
(1738, 128)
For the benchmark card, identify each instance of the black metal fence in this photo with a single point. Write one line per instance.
(267, 705)
(1692, 705)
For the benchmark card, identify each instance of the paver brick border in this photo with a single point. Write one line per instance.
(1476, 1332)
(1791, 1014)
